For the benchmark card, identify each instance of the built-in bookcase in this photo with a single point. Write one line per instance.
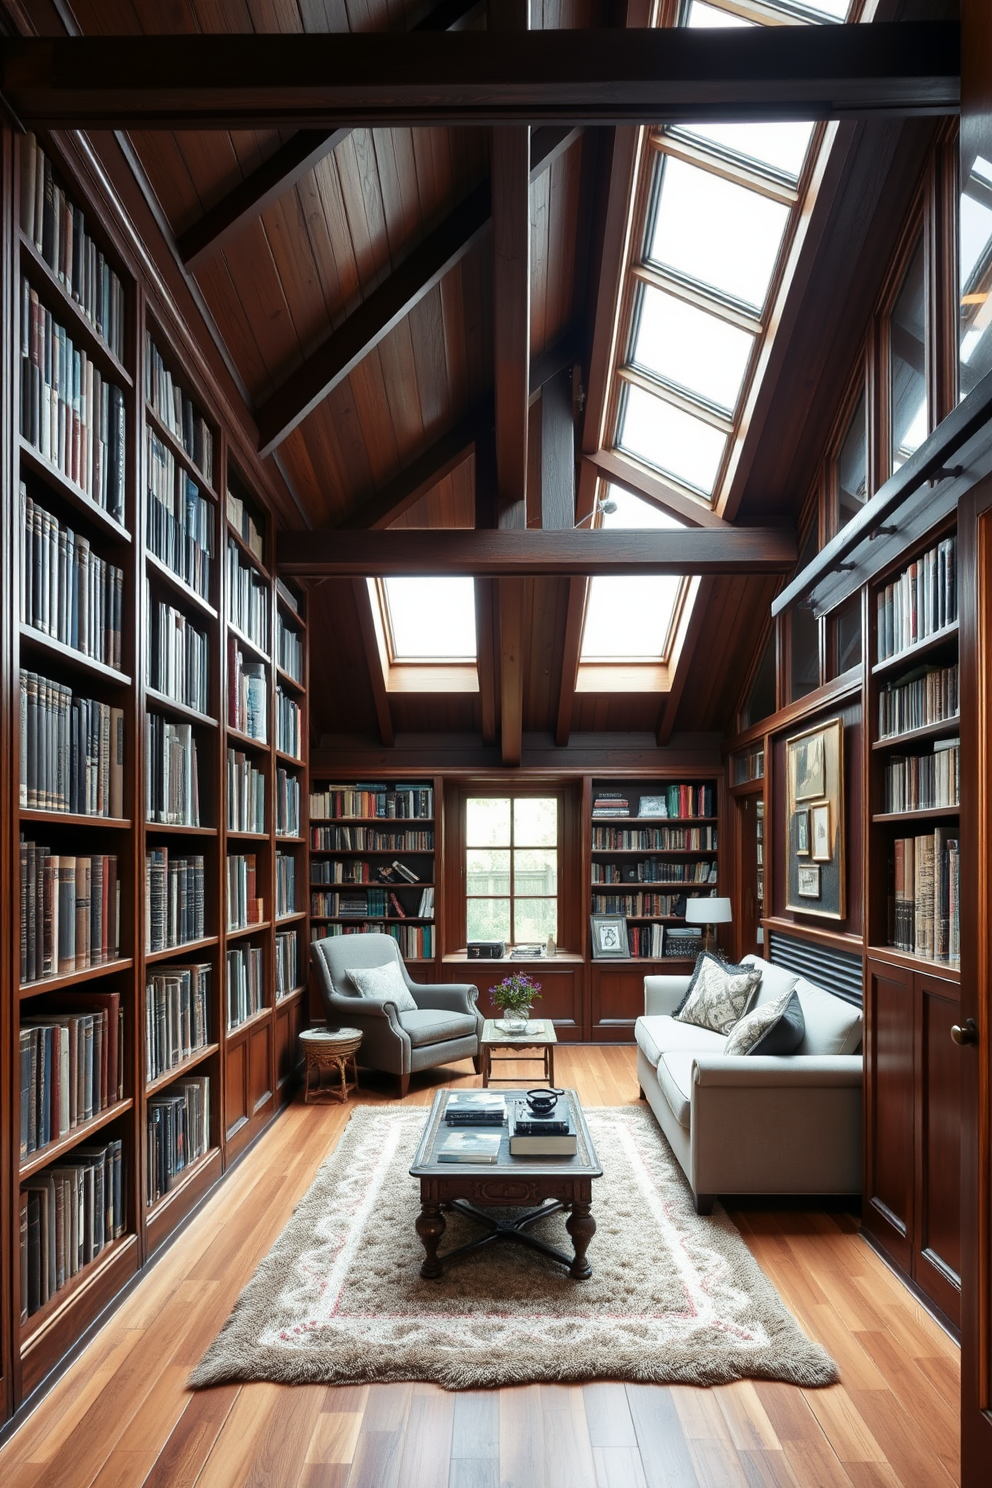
(143, 598)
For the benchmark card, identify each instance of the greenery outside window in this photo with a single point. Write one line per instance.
(511, 868)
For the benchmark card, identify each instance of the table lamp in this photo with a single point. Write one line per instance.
(709, 913)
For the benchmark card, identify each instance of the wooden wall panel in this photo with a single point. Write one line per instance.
(889, 1124)
(938, 1179)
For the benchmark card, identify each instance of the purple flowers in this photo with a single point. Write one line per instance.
(515, 993)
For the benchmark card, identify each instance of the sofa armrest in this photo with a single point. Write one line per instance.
(662, 994)
(819, 1071)
(455, 997)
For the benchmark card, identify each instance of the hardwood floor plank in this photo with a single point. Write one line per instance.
(843, 1426)
(264, 1439)
(660, 1438)
(608, 1415)
(189, 1444)
(904, 1443)
(618, 1467)
(335, 1436)
(746, 1418)
(521, 1437)
(475, 1426)
(427, 1447)
(768, 1470)
(568, 1460)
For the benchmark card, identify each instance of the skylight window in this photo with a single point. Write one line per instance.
(685, 346)
(632, 511)
(975, 238)
(780, 147)
(430, 619)
(716, 233)
(674, 442)
(631, 618)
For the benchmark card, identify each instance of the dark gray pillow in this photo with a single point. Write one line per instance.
(771, 1028)
(719, 994)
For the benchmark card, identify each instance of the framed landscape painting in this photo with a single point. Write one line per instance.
(816, 869)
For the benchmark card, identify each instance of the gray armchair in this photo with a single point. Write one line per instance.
(446, 1026)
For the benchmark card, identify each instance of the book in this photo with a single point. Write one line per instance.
(475, 1107)
(470, 1147)
(526, 1142)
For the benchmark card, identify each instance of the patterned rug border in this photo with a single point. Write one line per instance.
(239, 1354)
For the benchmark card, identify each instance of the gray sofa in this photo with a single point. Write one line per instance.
(756, 1124)
(446, 1026)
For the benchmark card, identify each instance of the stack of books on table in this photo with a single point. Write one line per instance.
(471, 1147)
(543, 1136)
(475, 1108)
(610, 803)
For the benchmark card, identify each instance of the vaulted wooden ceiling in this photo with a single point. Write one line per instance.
(348, 283)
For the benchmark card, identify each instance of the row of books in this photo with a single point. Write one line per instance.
(364, 839)
(70, 911)
(287, 969)
(244, 905)
(655, 870)
(71, 750)
(669, 800)
(178, 1133)
(919, 782)
(654, 839)
(287, 804)
(177, 1016)
(67, 591)
(245, 984)
(245, 794)
(72, 1067)
(180, 520)
(174, 909)
(921, 601)
(178, 656)
(414, 941)
(72, 416)
(69, 1213)
(372, 801)
(178, 411)
(639, 905)
(289, 650)
(289, 725)
(646, 940)
(247, 699)
(172, 777)
(58, 230)
(241, 519)
(285, 884)
(928, 695)
(371, 901)
(286, 594)
(924, 904)
(357, 871)
(247, 599)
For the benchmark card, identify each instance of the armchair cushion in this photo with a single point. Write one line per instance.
(770, 1028)
(426, 1026)
(719, 994)
(383, 984)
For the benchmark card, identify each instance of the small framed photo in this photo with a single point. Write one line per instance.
(630, 874)
(609, 937)
(652, 806)
(821, 832)
(809, 881)
(801, 819)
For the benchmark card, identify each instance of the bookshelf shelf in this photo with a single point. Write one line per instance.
(291, 614)
(34, 462)
(288, 919)
(250, 646)
(176, 448)
(70, 819)
(927, 813)
(69, 656)
(288, 997)
(249, 836)
(45, 1155)
(72, 978)
(394, 823)
(919, 735)
(175, 830)
(288, 680)
(653, 852)
(235, 932)
(54, 291)
(247, 740)
(160, 702)
(66, 1297)
(288, 759)
(281, 837)
(240, 1030)
(179, 1070)
(189, 1176)
(165, 574)
(915, 653)
(246, 552)
(182, 951)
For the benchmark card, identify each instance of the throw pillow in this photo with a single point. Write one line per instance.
(719, 994)
(771, 1028)
(384, 984)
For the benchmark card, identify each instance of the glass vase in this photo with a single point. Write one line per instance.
(516, 1022)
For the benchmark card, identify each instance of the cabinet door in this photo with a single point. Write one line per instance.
(938, 1178)
(890, 1121)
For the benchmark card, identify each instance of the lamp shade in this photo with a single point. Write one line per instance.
(708, 912)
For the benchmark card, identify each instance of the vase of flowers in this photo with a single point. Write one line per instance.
(513, 997)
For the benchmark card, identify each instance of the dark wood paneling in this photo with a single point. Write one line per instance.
(938, 1177)
(236, 1107)
(561, 989)
(616, 999)
(890, 1118)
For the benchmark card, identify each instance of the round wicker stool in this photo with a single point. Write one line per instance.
(333, 1052)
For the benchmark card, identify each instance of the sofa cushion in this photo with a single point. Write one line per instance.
(383, 984)
(661, 1034)
(719, 993)
(428, 1026)
(832, 1025)
(675, 1079)
(770, 1028)
(776, 981)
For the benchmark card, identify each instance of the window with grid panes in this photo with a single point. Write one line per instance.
(511, 868)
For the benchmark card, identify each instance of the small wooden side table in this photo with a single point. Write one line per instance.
(540, 1036)
(330, 1051)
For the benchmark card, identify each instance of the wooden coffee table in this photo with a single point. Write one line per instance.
(540, 1185)
(493, 1037)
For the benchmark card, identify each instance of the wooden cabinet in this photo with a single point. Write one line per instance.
(562, 987)
(913, 1127)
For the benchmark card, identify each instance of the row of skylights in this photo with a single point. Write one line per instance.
(975, 235)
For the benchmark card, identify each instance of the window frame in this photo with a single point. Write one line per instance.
(418, 674)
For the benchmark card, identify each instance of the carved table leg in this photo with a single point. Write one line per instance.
(431, 1226)
(581, 1226)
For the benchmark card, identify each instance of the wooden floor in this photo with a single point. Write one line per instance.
(121, 1417)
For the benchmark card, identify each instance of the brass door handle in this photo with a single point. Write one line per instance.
(966, 1033)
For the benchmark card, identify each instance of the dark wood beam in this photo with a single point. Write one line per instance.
(622, 472)
(486, 649)
(518, 553)
(510, 162)
(570, 659)
(373, 662)
(387, 79)
(386, 306)
(421, 476)
(557, 453)
(511, 668)
(287, 165)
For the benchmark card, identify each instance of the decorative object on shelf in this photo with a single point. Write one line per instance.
(541, 1103)
(709, 913)
(514, 996)
(550, 949)
(609, 937)
(486, 950)
(330, 1051)
(815, 772)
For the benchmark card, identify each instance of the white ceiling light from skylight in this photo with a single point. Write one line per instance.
(633, 511)
(673, 441)
(710, 16)
(430, 619)
(629, 618)
(779, 147)
(685, 346)
(715, 233)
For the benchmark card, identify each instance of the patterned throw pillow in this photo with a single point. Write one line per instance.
(773, 1028)
(719, 994)
(381, 984)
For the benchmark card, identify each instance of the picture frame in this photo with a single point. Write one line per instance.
(809, 881)
(652, 806)
(820, 832)
(609, 937)
(801, 820)
(809, 762)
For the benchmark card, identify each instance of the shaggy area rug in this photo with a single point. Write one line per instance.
(673, 1296)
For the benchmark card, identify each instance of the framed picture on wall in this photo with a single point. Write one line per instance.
(609, 937)
(820, 817)
(815, 864)
(801, 819)
(809, 881)
(810, 766)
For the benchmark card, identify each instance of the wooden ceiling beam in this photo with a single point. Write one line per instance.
(387, 79)
(510, 594)
(386, 306)
(613, 467)
(697, 550)
(283, 169)
(373, 661)
(570, 659)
